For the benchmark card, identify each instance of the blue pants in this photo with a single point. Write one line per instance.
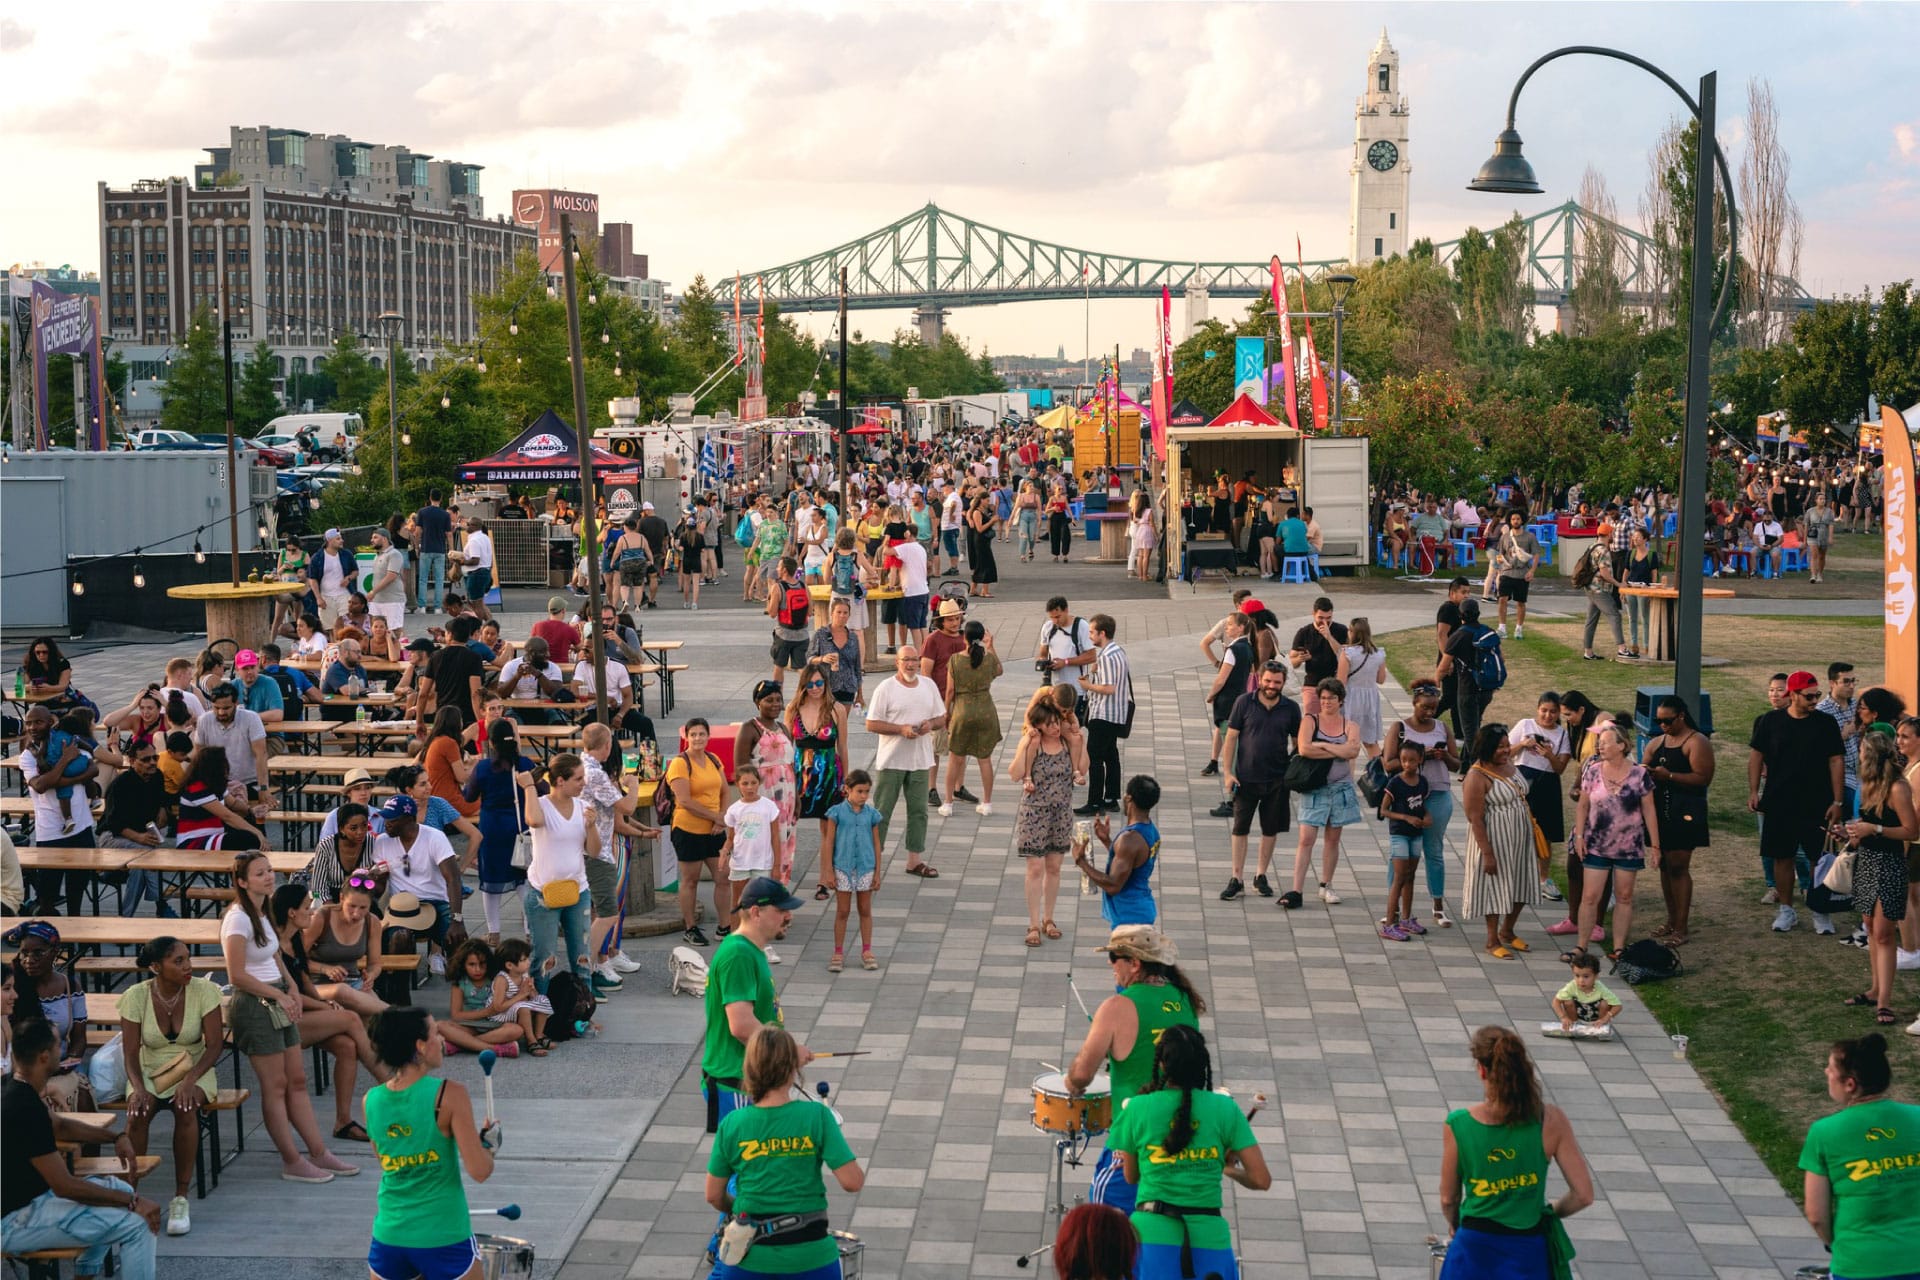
(1162, 1262)
(433, 579)
(545, 927)
(1434, 841)
(48, 1222)
(1110, 1185)
(140, 886)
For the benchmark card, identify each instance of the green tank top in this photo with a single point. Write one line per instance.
(422, 1204)
(1503, 1171)
(1159, 1005)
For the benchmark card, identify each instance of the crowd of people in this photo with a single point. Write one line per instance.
(1301, 737)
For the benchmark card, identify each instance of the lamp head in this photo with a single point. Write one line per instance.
(1338, 284)
(1506, 172)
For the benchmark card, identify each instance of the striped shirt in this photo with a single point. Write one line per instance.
(1110, 668)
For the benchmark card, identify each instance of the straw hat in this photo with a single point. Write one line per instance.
(405, 911)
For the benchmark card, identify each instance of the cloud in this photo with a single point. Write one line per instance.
(1907, 140)
(15, 37)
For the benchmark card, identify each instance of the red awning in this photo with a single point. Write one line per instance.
(1245, 412)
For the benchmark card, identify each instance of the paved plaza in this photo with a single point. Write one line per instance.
(1358, 1043)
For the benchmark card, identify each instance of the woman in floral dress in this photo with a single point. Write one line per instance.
(765, 743)
(817, 725)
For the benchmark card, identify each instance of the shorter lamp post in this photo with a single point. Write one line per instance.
(1339, 284)
(391, 321)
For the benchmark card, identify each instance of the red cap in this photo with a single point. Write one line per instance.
(1251, 606)
(1801, 681)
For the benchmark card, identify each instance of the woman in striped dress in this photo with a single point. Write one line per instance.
(1501, 873)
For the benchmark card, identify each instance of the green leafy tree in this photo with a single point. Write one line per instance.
(1203, 367)
(1828, 376)
(1490, 274)
(1421, 434)
(1677, 164)
(1893, 352)
(195, 395)
(255, 402)
(355, 379)
(700, 347)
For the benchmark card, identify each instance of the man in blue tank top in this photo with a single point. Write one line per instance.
(1126, 883)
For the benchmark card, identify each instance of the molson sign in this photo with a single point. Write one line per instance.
(541, 209)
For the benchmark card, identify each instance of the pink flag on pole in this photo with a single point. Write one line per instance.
(1315, 374)
(1286, 340)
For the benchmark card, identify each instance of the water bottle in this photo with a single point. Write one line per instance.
(19, 684)
(360, 714)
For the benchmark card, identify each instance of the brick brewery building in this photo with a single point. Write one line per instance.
(299, 237)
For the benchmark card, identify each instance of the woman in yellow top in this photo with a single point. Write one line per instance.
(172, 1035)
(699, 788)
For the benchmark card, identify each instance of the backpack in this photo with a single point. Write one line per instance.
(795, 605)
(846, 573)
(1072, 632)
(289, 692)
(1583, 574)
(1489, 670)
(1647, 961)
(573, 1006)
(743, 532)
(663, 801)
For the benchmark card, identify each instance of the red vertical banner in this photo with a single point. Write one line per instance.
(1902, 557)
(1163, 375)
(1315, 374)
(1286, 339)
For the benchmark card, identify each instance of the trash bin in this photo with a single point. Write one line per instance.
(1645, 729)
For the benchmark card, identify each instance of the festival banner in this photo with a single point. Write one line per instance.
(1163, 374)
(1902, 630)
(1315, 374)
(1279, 290)
(739, 334)
(1249, 366)
(68, 324)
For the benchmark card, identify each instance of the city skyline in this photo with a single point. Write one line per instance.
(740, 137)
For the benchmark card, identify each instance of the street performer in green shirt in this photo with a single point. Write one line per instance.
(740, 996)
(1153, 995)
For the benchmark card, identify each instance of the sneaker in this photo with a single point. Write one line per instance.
(1233, 890)
(1094, 810)
(836, 964)
(1519, 633)
(437, 965)
(1212, 768)
(1771, 898)
(1562, 929)
(1328, 896)
(961, 793)
(1858, 938)
(694, 937)
(1262, 887)
(1551, 891)
(1784, 919)
(511, 1049)
(984, 810)
(1599, 934)
(1222, 810)
(179, 1220)
(945, 811)
(1913, 1028)
(623, 963)
(1413, 927)
(723, 931)
(773, 957)
(933, 797)
(609, 975)
(1394, 933)
(866, 959)
(1822, 924)
(1290, 900)
(602, 989)
(1904, 959)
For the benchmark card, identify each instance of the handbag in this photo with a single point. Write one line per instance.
(1542, 850)
(522, 856)
(558, 895)
(1126, 726)
(1372, 782)
(1306, 773)
(1839, 878)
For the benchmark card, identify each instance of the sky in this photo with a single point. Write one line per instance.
(737, 136)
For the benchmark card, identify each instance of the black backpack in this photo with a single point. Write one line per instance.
(573, 1006)
(1647, 961)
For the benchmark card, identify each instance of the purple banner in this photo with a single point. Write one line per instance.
(66, 324)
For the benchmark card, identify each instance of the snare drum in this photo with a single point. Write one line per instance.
(1057, 1111)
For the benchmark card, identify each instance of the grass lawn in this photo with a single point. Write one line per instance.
(1761, 1008)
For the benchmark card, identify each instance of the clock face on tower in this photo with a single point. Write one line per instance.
(1383, 156)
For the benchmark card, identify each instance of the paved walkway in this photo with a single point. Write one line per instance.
(1359, 1043)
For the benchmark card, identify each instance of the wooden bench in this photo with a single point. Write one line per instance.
(208, 1158)
(43, 1264)
(110, 1167)
(104, 969)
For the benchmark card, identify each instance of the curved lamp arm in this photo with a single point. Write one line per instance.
(1693, 108)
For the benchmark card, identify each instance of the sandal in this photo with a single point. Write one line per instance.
(1568, 957)
(1033, 937)
(1862, 1001)
(822, 893)
(1051, 929)
(1500, 953)
(352, 1131)
(1675, 939)
(924, 871)
(1663, 931)
(1613, 956)
(1518, 944)
(539, 1047)
(1885, 1016)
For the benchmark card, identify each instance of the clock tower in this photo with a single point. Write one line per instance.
(1381, 172)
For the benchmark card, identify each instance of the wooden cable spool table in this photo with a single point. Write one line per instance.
(1666, 609)
(243, 613)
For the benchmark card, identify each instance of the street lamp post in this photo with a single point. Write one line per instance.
(589, 514)
(1508, 172)
(1338, 284)
(391, 321)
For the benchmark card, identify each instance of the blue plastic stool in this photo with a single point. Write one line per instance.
(1793, 560)
(1293, 569)
(1463, 553)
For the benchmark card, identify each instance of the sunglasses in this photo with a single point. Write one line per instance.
(1426, 688)
(1666, 719)
(1274, 665)
(359, 881)
(816, 684)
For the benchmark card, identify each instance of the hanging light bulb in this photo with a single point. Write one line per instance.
(482, 366)
(264, 532)
(605, 337)
(445, 402)
(592, 298)
(406, 437)
(79, 587)
(552, 292)
(616, 371)
(513, 327)
(139, 575)
(199, 555)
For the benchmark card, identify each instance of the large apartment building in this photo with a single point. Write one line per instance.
(298, 238)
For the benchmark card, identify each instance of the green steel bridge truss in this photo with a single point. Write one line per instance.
(933, 259)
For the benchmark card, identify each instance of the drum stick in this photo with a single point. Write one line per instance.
(487, 1058)
(1073, 987)
(1259, 1101)
(843, 1053)
(1053, 1067)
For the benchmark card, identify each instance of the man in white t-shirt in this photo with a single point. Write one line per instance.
(237, 731)
(1067, 642)
(421, 861)
(903, 712)
(335, 584)
(476, 559)
(912, 581)
(951, 509)
(623, 710)
(1767, 539)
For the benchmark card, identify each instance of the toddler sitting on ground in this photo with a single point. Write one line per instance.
(1584, 1006)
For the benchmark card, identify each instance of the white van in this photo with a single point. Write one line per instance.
(323, 429)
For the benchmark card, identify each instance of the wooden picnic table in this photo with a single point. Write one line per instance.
(1666, 608)
(379, 666)
(339, 766)
(56, 859)
(203, 862)
(129, 931)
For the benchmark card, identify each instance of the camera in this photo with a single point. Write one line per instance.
(1045, 667)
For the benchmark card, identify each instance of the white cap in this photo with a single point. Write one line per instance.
(646, 506)
(331, 534)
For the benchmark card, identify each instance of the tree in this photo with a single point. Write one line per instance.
(1677, 238)
(699, 346)
(1596, 297)
(1893, 352)
(1203, 367)
(1419, 433)
(355, 379)
(1657, 217)
(1769, 219)
(1490, 274)
(195, 395)
(1827, 378)
(255, 403)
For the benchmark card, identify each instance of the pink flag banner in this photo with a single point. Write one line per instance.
(1316, 376)
(1286, 339)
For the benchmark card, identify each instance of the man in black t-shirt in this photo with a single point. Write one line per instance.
(655, 531)
(1260, 734)
(436, 533)
(44, 1205)
(1316, 651)
(455, 677)
(1457, 662)
(1229, 682)
(1800, 752)
(1445, 623)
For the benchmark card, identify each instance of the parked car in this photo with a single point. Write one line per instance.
(165, 438)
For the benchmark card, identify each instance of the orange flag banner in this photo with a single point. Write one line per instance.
(1902, 557)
